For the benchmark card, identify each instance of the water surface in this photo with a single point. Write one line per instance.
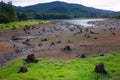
(82, 22)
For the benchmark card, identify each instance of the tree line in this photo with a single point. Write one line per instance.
(7, 12)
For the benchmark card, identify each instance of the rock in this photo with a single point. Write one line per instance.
(99, 68)
(31, 59)
(23, 70)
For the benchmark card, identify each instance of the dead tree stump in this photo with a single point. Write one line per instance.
(52, 44)
(23, 70)
(113, 33)
(31, 59)
(99, 68)
(40, 44)
(82, 56)
(67, 48)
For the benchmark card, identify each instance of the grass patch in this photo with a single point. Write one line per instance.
(78, 69)
(20, 24)
(81, 37)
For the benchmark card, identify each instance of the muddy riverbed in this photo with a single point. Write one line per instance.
(49, 41)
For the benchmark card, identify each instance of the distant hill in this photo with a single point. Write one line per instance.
(67, 9)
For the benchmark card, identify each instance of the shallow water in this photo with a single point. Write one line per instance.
(82, 22)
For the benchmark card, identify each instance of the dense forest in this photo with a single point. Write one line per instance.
(7, 12)
(116, 16)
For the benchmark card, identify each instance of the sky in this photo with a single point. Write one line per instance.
(113, 5)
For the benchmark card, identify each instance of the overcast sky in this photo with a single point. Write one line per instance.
(101, 4)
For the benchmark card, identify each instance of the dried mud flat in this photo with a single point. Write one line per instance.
(49, 41)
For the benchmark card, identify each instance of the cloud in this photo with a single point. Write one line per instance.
(101, 4)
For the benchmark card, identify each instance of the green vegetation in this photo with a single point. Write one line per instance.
(22, 16)
(51, 16)
(79, 69)
(7, 12)
(20, 24)
(116, 16)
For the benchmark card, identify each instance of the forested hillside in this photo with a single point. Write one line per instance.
(62, 10)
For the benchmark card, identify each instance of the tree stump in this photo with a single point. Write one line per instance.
(69, 41)
(67, 48)
(23, 70)
(88, 36)
(101, 54)
(27, 40)
(82, 56)
(113, 33)
(44, 39)
(40, 44)
(58, 42)
(52, 44)
(95, 38)
(31, 59)
(99, 68)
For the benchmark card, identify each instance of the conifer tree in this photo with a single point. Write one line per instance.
(7, 12)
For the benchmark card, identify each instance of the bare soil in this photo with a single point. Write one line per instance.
(101, 42)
